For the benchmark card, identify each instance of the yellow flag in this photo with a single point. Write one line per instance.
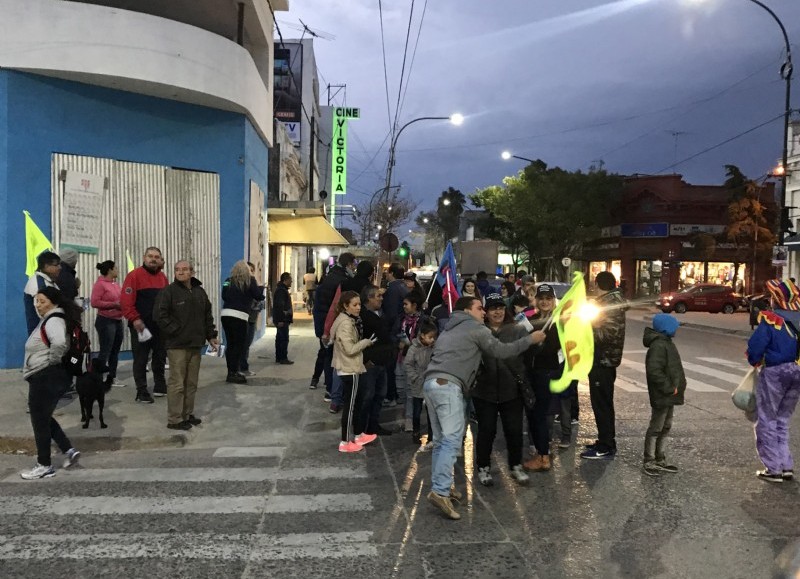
(35, 244)
(131, 267)
(575, 334)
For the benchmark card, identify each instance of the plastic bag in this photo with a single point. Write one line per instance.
(744, 396)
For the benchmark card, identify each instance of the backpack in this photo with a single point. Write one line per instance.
(77, 345)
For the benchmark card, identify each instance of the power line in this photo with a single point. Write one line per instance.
(718, 145)
(403, 67)
(385, 70)
(414, 55)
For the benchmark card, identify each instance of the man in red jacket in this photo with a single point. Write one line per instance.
(139, 292)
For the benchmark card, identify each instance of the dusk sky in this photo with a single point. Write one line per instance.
(571, 82)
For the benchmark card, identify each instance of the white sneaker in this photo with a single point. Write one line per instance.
(519, 474)
(71, 457)
(485, 477)
(117, 383)
(39, 471)
(249, 373)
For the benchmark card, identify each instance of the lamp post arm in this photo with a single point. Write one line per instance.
(394, 144)
(783, 29)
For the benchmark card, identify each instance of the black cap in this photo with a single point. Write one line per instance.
(494, 301)
(545, 289)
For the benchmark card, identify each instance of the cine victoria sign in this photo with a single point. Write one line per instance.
(341, 115)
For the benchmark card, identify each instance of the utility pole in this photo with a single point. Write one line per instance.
(311, 159)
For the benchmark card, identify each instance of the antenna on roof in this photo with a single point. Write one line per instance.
(317, 33)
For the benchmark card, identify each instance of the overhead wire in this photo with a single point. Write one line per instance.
(403, 67)
(385, 69)
(413, 55)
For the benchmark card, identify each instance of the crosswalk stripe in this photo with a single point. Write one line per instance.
(628, 386)
(188, 546)
(691, 383)
(714, 372)
(203, 474)
(117, 505)
(723, 362)
(249, 452)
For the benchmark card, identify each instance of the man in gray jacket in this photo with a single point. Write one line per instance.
(451, 373)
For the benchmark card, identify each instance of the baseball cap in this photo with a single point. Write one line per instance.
(545, 289)
(494, 301)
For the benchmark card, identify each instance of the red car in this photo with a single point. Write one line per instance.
(701, 297)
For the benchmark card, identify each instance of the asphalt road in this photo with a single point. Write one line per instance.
(301, 509)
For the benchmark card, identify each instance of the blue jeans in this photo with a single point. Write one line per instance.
(446, 407)
(337, 389)
(403, 394)
(373, 383)
(110, 334)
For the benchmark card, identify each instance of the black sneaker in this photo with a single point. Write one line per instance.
(286, 362)
(193, 420)
(788, 475)
(159, 393)
(773, 477)
(314, 384)
(650, 469)
(144, 397)
(327, 397)
(180, 425)
(236, 379)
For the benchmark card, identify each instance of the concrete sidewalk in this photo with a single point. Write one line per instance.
(267, 410)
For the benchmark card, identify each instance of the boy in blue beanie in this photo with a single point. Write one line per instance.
(666, 383)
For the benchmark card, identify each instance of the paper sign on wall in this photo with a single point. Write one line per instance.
(82, 211)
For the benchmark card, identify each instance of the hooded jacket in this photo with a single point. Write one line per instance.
(498, 379)
(347, 347)
(392, 305)
(39, 355)
(184, 316)
(664, 370)
(323, 297)
(358, 282)
(456, 355)
(609, 329)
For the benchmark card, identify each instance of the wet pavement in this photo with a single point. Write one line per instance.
(259, 490)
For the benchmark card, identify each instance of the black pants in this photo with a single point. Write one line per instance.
(601, 393)
(236, 340)
(352, 421)
(373, 382)
(575, 406)
(110, 334)
(44, 390)
(282, 343)
(511, 419)
(141, 353)
(324, 355)
(391, 381)
(416, 417)
(537, 416)
(251, 334)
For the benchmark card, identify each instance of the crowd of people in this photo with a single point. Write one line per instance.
(489, 355)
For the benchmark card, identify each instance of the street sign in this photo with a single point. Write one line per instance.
(566, 262)
(389, 242)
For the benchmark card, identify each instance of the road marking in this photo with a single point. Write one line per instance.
(691, 383)
(118, 505)
(202, 474)
(636, 351)
(189, 546)
(629, 385)
(714, 372)
(730, 363)
(249, 452)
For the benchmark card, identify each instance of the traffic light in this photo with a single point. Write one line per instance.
(404, 250)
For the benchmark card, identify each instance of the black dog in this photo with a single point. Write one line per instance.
(91, 387)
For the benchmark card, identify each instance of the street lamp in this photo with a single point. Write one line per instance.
(506, 155)
(445, 201)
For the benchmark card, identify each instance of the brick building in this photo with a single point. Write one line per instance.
(666, 235)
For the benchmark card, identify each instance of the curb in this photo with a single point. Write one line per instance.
(711, 329)
(27, 445)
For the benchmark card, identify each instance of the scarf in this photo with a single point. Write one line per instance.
(359, 325)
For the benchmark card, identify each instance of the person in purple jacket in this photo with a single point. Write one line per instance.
(773, 346)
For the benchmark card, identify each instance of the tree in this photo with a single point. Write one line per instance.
(442, 225)
(549, 213)
(385, 216)
(749, 222)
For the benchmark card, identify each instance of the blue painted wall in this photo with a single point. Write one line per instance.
(40, 116)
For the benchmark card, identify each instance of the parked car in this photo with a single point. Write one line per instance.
(702, 297)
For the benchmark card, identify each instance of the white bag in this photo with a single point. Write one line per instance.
(744, 397)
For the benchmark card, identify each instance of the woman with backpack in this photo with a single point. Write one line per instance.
(48, 378)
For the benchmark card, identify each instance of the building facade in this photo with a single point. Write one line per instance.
(667, 235)
(163, 110)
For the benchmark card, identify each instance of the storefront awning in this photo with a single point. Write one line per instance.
(288, 229)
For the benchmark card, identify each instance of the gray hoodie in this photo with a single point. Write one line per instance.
(38, 355)
(457, 352)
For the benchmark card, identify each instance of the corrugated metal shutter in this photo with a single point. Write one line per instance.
(147, 205)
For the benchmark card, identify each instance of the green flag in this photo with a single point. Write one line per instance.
(35, 244)
(573, 319)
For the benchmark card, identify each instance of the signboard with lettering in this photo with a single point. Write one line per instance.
(341, 115)
(690, 228)
(644, 230)
(82, 211)
(293, 131)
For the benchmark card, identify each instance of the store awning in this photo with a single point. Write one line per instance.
(289, 229)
